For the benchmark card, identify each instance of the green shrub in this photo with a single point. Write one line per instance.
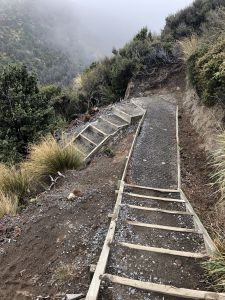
(190, 20)
(207, 72)
(25, 113)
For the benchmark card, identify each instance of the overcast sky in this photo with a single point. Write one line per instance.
(117, 21)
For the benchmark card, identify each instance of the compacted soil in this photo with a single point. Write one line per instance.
(47, 250)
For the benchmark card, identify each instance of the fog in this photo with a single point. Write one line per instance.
(93, 27)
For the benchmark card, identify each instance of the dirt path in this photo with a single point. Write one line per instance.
(54, 232)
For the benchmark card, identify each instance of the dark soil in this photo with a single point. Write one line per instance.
(196, 171)
(54, 231)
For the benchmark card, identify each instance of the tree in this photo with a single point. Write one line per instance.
(25, 112)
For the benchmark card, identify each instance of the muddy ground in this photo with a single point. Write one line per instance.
(54, 232)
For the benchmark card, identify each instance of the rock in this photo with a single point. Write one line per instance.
(71, 196)
(74, 194)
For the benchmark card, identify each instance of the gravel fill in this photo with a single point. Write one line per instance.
(154, 160)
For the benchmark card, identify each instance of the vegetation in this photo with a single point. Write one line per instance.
(106, 81)
(14, 181)
(26, 37)
(49, 157)
(25, 113)
(192, 19)
(215, 268)
(8, 204)
(202, 41)
(64, 273)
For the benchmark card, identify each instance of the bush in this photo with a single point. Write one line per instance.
(190, 20)
(207, 72)
(49, 157)
(25, 113)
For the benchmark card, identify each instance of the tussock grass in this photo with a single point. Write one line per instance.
(215, 268)
(13, 181)
(188, 46)
(8, 204)
(219, 166)
(49, 157)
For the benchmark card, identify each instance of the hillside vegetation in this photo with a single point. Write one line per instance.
(30, 33)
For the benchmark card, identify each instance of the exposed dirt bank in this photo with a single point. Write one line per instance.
(54, 232)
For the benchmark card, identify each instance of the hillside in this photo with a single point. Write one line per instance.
(64, 149)
(37, 35)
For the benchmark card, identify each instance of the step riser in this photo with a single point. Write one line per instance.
(122, 115)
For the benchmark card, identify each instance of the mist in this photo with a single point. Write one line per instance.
(91, 28)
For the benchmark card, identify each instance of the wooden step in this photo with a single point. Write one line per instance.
(164, 289)
(164, 251)
(162, 227)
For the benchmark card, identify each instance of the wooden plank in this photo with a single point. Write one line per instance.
(164, 289)
(113, 125)
(154, 197)
(132, 147)
(97, 129)
(86, 138)
(162, 227)
(151, 188)
(175, 212)
(101, 265)
(209, 244)
(103, 259)
(178, 151)
(164, 251)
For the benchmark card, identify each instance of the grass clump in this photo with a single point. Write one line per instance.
(64, 273)
(14, 181)
(215, 268)
(8, 204)
(188, 46)
(49, 157)
(219, 166)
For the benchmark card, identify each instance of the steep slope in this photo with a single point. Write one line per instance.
(33, 33)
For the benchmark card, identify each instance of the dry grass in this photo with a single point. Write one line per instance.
(219, 166)
(8, 204)
(49, 157)
(13, 181)
(64, 273)
(189, 46)
(215, 269)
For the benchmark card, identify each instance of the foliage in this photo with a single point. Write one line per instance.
(207, 72)
(49, 157)
(67, 102)
(25, 113)
(107, 80)
(25, 37)
(190, 20)
(8, 204)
